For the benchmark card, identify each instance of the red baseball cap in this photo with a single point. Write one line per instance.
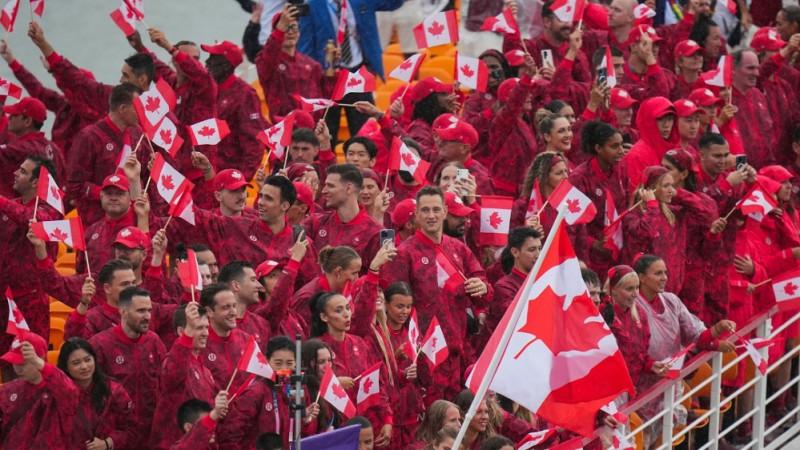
(504, 90)
(685, 108)
(403, 212)
(304, 195)
(455, 205)
(117, 181)
(132, 237)
(266, 267)
(459, 131)
(777, 173)
(230, 179)
(428, 86)
(297, 170)
(620, 99)
(767, 39)
(638, 31)
(14, 356)
(682, 157)
(687, 48)
(705, 97)
(30, 107)
(227, 49)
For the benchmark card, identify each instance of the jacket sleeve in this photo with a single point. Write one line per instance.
(697, 212)
(81, 164)
(242, 416)
(274, 312)
(204, 86)
(173, 370)
(198, 436)
(64, 393)
(78, 326)
(250, 40)
(66, 289)
(364, 303)
(70, 78)
(52, 100)
(267, 58)
(21, 214)
(122, 409)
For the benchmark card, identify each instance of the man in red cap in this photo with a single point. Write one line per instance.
(680, 31)
(25, 119)
(404, 220)
(303, 206)
(454, 140)
(278, 281)
(38, 408)
(99, 149)
(429, 98)
(231, 193)
(719, 117)
(239, 106)
(460, 222)
(643, 77)
(755, 120)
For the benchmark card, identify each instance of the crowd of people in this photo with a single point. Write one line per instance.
(347, 256)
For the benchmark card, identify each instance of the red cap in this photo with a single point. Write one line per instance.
(685, 108)
(297, 170)
(459, 131)
(704, 97)
(515, 58)
(117, 181)
(303, 119)
(403, 212)
(227, 49)
(620, 99)
(14, 356)
(651, 174)
(687, 48)
(304, 195)
(266, 268)
(777, 173)
(230, 179)
(638, 31)
(428, 86)
(767, 39)
(684, 159)
(455, 205)
(30, 107)
(504, 90)
(132, 237)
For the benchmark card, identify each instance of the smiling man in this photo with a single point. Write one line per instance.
(755, 122)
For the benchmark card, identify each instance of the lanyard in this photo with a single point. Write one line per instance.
(275, 410)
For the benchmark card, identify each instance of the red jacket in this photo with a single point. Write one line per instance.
(651, 148)
(757, 127)
(257, 327)
(422, 132)
(505, 290)
(633, 340)
(197, 438)
(88, 97)
(39, 416)
(134, 364)
(654, 83)
(478, 113)
(361, 233)
(100, 237)
(113, 422)
(239, 106)
(15, 150)
(581, 71)
(283, 320)
(261, 408)
(222, 354)
(783, 105)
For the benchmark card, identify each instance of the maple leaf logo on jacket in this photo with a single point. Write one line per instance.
(573, 205)
(367, 385)
(790, 288)
(206, 131)
(495, 220)
(58, 234)
(467, 71)
(409, 160)
(436, 28)
(153, 103)
(354, 82)
(166, 181)
(166, 136)
(338, 390)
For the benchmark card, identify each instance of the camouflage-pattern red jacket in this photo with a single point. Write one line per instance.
(361, 233)
(239, 106)
(757, 127)
(261, 408)
(222, 354)
(283, 320)
(113, 422)
(14, 151)
(197, 438)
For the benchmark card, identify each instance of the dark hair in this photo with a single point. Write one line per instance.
(269, 441)
(360, 420)
(127, 294)
(279, 343)
(142, 64)
(200, 248)
(101, 390)
(428, 109)
(372, 149)
(595, 133)
(691, 183)
(306, 135)
(430, 190)
(555, 106)
(397, 288)
(506, 260)
(600, 53)
(496, 442)
(209, 294)
(539, 169)
(411, 143)
(644, 262)
(122, 94)
(330, 258)
(234, 270)
(107, 271)
(348, 173)
(791, 13)
(518, 236)
(590, 276)
(703, 23)
(191, 411)
(185, 42)
(545, 120)
(308, 356)
(708, 139)
(797, 135)
(39, 162)
(317, 306)
(547, 13)
(288, 191)
(179, 317)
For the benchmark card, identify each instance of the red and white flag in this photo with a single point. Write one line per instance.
(580, 208)
(571, 360)
(313, 104)
(125, 17)
(675, 363)
(126, 150)
(608, 63)
(9, 89)
(15, 320)
(730, 5)
(495, 219)
(642, 13)
(48, 190)
(568, 10)
(401, 158)
(471, 72)
(535, 201)
(68, 231)
(447, 275)
(189, 272)
(253, 361)
(154, 104)
(407, 70)
(165, 135)
(437, 29)
(618, 440)
(613, 226)
(722, 76)
(278, 136)
(757, 203)
(369, 388)
(361, 81)
(134, 7)
(333, 392)
(208, 132)
(535, 438)
(755, 355)
(413, 331)
(433, 344)
(504, 22)
(787, 290)
(9, 15)
(515, 58)
(168, 180)
(37, 6)
(182, 204)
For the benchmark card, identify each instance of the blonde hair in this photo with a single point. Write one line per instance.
(661, 205)
(625, 278)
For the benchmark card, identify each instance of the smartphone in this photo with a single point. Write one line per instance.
(741, 160)
(602, 75)
(547, 58)
(387, 235)
(462, 174)
(303, 9)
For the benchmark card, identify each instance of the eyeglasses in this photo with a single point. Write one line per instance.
(293, 28)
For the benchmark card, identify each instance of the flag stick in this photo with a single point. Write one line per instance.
(88, 269)
(30, 4)
(580, 23)
(731, 212)
(316, 400)
(417, 355)
(147, 185)
(324, 115)
(231, 399)
(386, 180)
(266, 160)
(149, 143)
(522, 41)
(191, 288)
(538, 213)
(404, 91)
(347, 105)
(768, 280)
(357, 378)
(235, 371)
(139, 143)
(166, 223)
(517, 312)
(35, 207)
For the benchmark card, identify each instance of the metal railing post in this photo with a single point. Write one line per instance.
(669, 407)
(760, 396)
(716, 391)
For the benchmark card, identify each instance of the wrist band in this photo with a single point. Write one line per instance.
(208, 170)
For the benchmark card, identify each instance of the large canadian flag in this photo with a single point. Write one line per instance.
(168, 179)
(9, 15)
(495, 219)
(332, 391)
(360, 81)
(68, 231)
(48, 190)
(208, 132)
(433, 344)
(9, 89)
(369, 388)
(757, 203)
(568, 10)
(556, 337)
(447, 275)
(505, 23)
(437, 29)
(15, 320)
(154, 104)
(722, 76)
(471, 72)
(182, 204)
(189, 272)
(253, 361)
(401, 158)
(787, 290)
(580, 208)
(407, 70)
(165, 135)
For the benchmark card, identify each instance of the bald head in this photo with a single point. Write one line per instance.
(620, 14)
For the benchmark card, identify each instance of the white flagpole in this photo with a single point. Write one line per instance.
(495, 361)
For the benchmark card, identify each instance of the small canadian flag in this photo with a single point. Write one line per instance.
(447, 275)
(757, 203)
(37, 6)
(535, 438)
(369, 388)
(68, 231)
(580, 208)
(413, 331)
(208, 132)
(9, 15)
(433, 344)
(123, 22)
(515, 57)
(253, 361)
(786, 287)
(535, 201)
(126, 150)
(165, 135)
(471, 72)
(332, 391)
(402, 158)
(15, 320)
(675, 364)
(182, 204)
(613, 226)
(755, 355)
(437, 29)
(618, 440)
(504, 22)
(48, 190)
(168, 179)
(722, 76)
(278, 136)
(608, 63)
(154, 104)
(9, 89)
(568, 10)
(495, 219)
(313, 104)
(407, 70)
(360, 81)
(189, 272)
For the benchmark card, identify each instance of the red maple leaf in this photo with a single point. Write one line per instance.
(153, 103)
(573, 205)
(207, 131)
(58, 234)
(404, 66)
(3, 82)
(467, 71)
(568, 8)
(615, 441)
(18, 316)
(412, 336)
(55, 193)
(408, 159)
(367, 385)
(271, 132)
(755, 197)
(166, 181)
(433, 342)
(495, 220)
(354, 82)
(790, 288)
(338, 391)
(436, 28)
(166, 136)
(129, 13)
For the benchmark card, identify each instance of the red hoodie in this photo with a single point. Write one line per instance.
(651, 147)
